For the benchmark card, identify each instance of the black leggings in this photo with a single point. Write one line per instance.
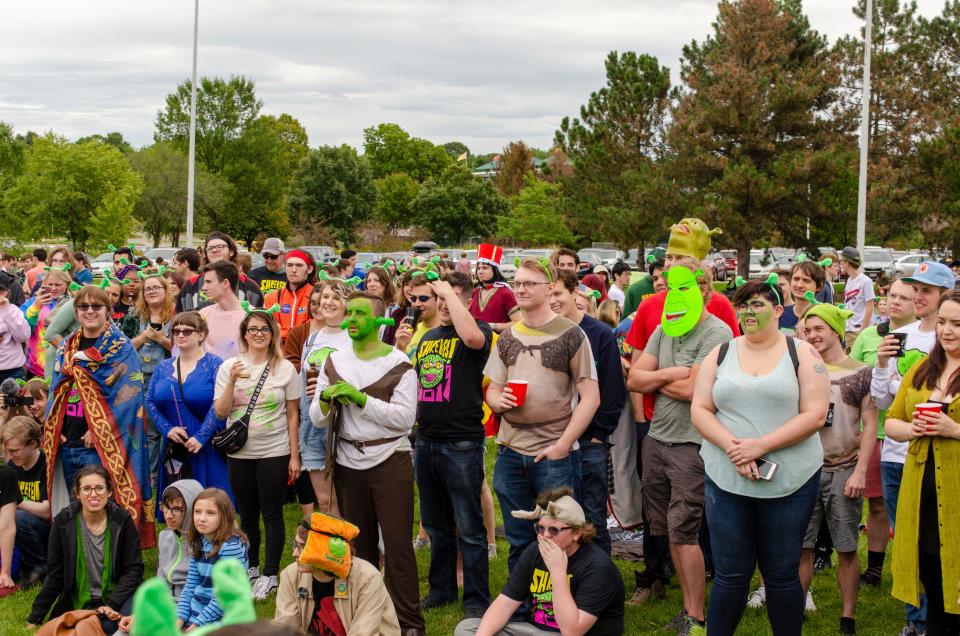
(939, 623)
(259, 486)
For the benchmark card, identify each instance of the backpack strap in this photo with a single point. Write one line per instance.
(722, 353)
(792, 349)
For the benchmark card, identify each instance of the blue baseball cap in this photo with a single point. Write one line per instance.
(931, 273)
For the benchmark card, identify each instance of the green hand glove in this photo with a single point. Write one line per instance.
(346, 393)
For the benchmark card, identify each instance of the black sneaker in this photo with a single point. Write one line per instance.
(432, 603)
(472, 612)
(820, 562)
(29, 579)
(869, 579)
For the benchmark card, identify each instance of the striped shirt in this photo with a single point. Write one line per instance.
(197, 604)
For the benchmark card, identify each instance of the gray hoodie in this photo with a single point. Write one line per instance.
(173, 557)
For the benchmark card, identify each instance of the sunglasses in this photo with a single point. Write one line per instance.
(183, 332)
(549, 531)
(422, 299)
(88, 306)
(271, 257)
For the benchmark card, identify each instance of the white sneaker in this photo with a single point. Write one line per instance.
(757, 598)
(263, 586)
(810, 606)
(420, 543)
(253, 574)
(491, 551)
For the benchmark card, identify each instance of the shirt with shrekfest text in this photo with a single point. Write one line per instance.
(32, 481)
(450, 385)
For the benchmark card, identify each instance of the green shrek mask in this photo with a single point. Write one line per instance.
(684, 302)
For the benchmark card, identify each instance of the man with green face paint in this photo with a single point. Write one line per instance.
(673, 474)
(368, 394)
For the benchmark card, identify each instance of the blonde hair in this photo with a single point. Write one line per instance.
(609, 312)
(535, 265)
(169, 302)
(24, 428)
(62, 275)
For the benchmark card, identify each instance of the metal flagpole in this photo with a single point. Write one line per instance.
(864, 131)
(193, 126)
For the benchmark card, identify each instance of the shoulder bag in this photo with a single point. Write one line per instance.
(231, 439)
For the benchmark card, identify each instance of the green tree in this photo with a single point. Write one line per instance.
(225, 108)
(751, 134)
(396, 192)
(456, 205)
(516, 162)
(114, 139)
(619, 135)
(260, 166)
(84, 191)
(456, 149)
(333, 187)
(535, 216)
(935, 191)
(161, 208)
(389, 149)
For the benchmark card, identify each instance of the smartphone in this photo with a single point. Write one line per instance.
(413, 316)
(767, 468)
(156, 326)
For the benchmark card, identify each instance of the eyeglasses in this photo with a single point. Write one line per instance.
(549, 531)
(217, 247)
(271, 257)
(753, 306)
(174, 509)
(183, 332)
(150, 290)
(90, 306)
(526, 284)
(423, 299)
(263, 331)
(86, 491)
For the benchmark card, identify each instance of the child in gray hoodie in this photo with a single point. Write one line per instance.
(173, 558)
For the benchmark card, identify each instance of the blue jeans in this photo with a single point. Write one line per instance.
(593, 489)
(74, 458)
(450, 477)
(32, 536)
(891, 473)
(519, 481)
(747, 531)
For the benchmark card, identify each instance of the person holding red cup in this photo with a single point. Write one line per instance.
(925, 413)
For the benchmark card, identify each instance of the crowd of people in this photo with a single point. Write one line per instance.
(737, 430)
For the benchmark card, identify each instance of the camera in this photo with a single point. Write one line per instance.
(10, 395)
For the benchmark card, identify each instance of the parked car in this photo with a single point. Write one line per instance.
(367, 257)
(905, 265)
(730, 260)
(424, 247)
(319, 252)
(877, 261)
(717, 265)
(762, 263)
(102, 263)
(166, 253)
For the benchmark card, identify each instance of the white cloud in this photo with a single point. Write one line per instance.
(485, 73)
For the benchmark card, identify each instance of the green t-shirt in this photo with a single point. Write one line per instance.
(636, 292)
(671, 418)
(865, 350)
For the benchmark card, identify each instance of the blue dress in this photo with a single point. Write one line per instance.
(165, 406)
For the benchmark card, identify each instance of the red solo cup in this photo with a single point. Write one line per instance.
(928, 407)
(519, 390)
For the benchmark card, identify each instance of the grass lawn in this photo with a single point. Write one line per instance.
(877, 612)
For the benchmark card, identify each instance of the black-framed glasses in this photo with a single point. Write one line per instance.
(217, 247)
(99, 489)
(173, 509)
(526, 284)
(183, 332)
(263, 331)
(549, 530)
(423, 299)
(88, 306)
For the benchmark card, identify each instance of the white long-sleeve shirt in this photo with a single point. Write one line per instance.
(376, 420)
(885, 381)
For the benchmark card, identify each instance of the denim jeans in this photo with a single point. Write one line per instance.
(891, 473)
(747, 530)
(450, 477)
(74, 458)
(32, 536)
(518, 482)
(593, 489)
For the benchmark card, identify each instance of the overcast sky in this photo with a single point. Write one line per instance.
(484, 73)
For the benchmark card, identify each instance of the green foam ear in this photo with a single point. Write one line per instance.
(245, 306)
(353, 281)
(154, 613)
(546, 268)
(323, 275)
(772, 279)
(388, 322)
(111, 247)
(275, 308)
(739, 281)
(103, 284)
(75, 287)
(432, 275)
(124, 261)
(141, 275)
(811, 298)
(827, 262)
(144, 263)
(344, 324)
(801, 257)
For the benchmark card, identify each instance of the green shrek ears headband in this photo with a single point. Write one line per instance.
(827, 262)
(544, 263)
(379, 322)
(113, 248)
(250, 309)
(772, 280)
(64, 269)
(161, 270)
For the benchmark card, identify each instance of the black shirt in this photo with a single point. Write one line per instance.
(268, 281)
(74, 419)
(450, 378)
(9, 489)
(595, 584)
(323, 600)
(32, 482)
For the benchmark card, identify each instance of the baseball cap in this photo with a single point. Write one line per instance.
(931, 273)
(601, 269)
(272, 246)
(851, 255)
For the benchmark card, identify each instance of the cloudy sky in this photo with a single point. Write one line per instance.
(485, 73)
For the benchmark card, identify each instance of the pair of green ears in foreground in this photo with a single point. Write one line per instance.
(379, 322)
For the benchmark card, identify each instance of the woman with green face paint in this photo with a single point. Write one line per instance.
(760, 404)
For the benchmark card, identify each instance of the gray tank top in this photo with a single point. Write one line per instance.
(754, 406)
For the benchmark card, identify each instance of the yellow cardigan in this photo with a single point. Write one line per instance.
(946, 453)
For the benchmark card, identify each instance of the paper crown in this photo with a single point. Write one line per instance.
(489, 254)
(328, 544)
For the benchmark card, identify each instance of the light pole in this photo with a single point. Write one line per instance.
(193, 126)
(864, 131)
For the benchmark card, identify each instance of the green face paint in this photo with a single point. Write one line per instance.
(755, 315)
(361, 322)
(684, 302)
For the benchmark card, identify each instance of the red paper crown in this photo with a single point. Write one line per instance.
(490, 254)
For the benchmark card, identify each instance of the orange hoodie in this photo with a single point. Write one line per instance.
(294, 307)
